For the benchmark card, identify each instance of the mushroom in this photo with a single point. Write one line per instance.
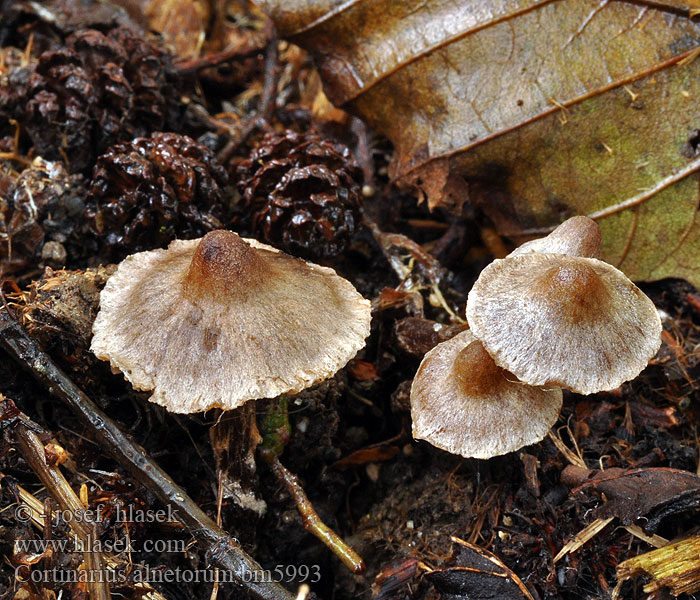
(566, 321)
(221, 320)
(462, 402)
(577, 236)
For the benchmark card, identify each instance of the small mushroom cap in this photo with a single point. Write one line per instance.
(221, 320)
(463, 403)
(577, 236)
(565, 321)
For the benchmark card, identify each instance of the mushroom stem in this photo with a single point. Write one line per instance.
(275, 430)
(223, 550)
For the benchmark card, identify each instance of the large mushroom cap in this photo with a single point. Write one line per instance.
(463, 403)
(577, 236)
(221, 320)
(565, 321)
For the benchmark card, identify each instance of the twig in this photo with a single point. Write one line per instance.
(390, 245)
(223, 550)
(272, 75)
(13, 156)
(363, 151)
(32, 450)
(192, 65)
(312, 522)
(266, 105)
(275, 431)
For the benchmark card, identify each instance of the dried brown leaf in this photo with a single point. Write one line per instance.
(577, 107)
(653, 493)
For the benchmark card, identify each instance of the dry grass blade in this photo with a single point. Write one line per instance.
(654, 540)
(583, 536)
(36, 508)
(574, 457)
(33, 452)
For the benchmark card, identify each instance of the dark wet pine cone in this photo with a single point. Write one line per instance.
(101, 88)
(14, 85)
(302, 193)
(40, 217)
(147, 192)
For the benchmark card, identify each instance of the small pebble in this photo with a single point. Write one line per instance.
(372, 470)
(303, 424)
(54, 254)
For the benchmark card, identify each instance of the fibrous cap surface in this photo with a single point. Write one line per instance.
(218, 321)
(465, 404)
(565, 321)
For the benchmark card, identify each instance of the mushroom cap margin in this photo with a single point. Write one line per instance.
(303, 326)
(547, 340)
(517, 415)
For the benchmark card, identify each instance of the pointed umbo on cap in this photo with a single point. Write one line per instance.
(577, 236)
(565, 321)
(221, 320)
(463, 403)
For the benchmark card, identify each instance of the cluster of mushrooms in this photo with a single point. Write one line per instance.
(548, 316)
(219, 321)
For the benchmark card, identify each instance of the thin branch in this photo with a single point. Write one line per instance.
(32, 450)
(312, 522)
(223, 550)
(272, 75)
(193, 65)
(266, 104)
(275, 431)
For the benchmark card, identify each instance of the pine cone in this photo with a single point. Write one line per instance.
(98, 90)
(302, 193)
(147, 192)
(41, 215)
(13, 91)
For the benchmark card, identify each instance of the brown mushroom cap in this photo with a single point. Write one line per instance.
(221, 320)
(463, 403)
(564, 321)
(577, 236)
